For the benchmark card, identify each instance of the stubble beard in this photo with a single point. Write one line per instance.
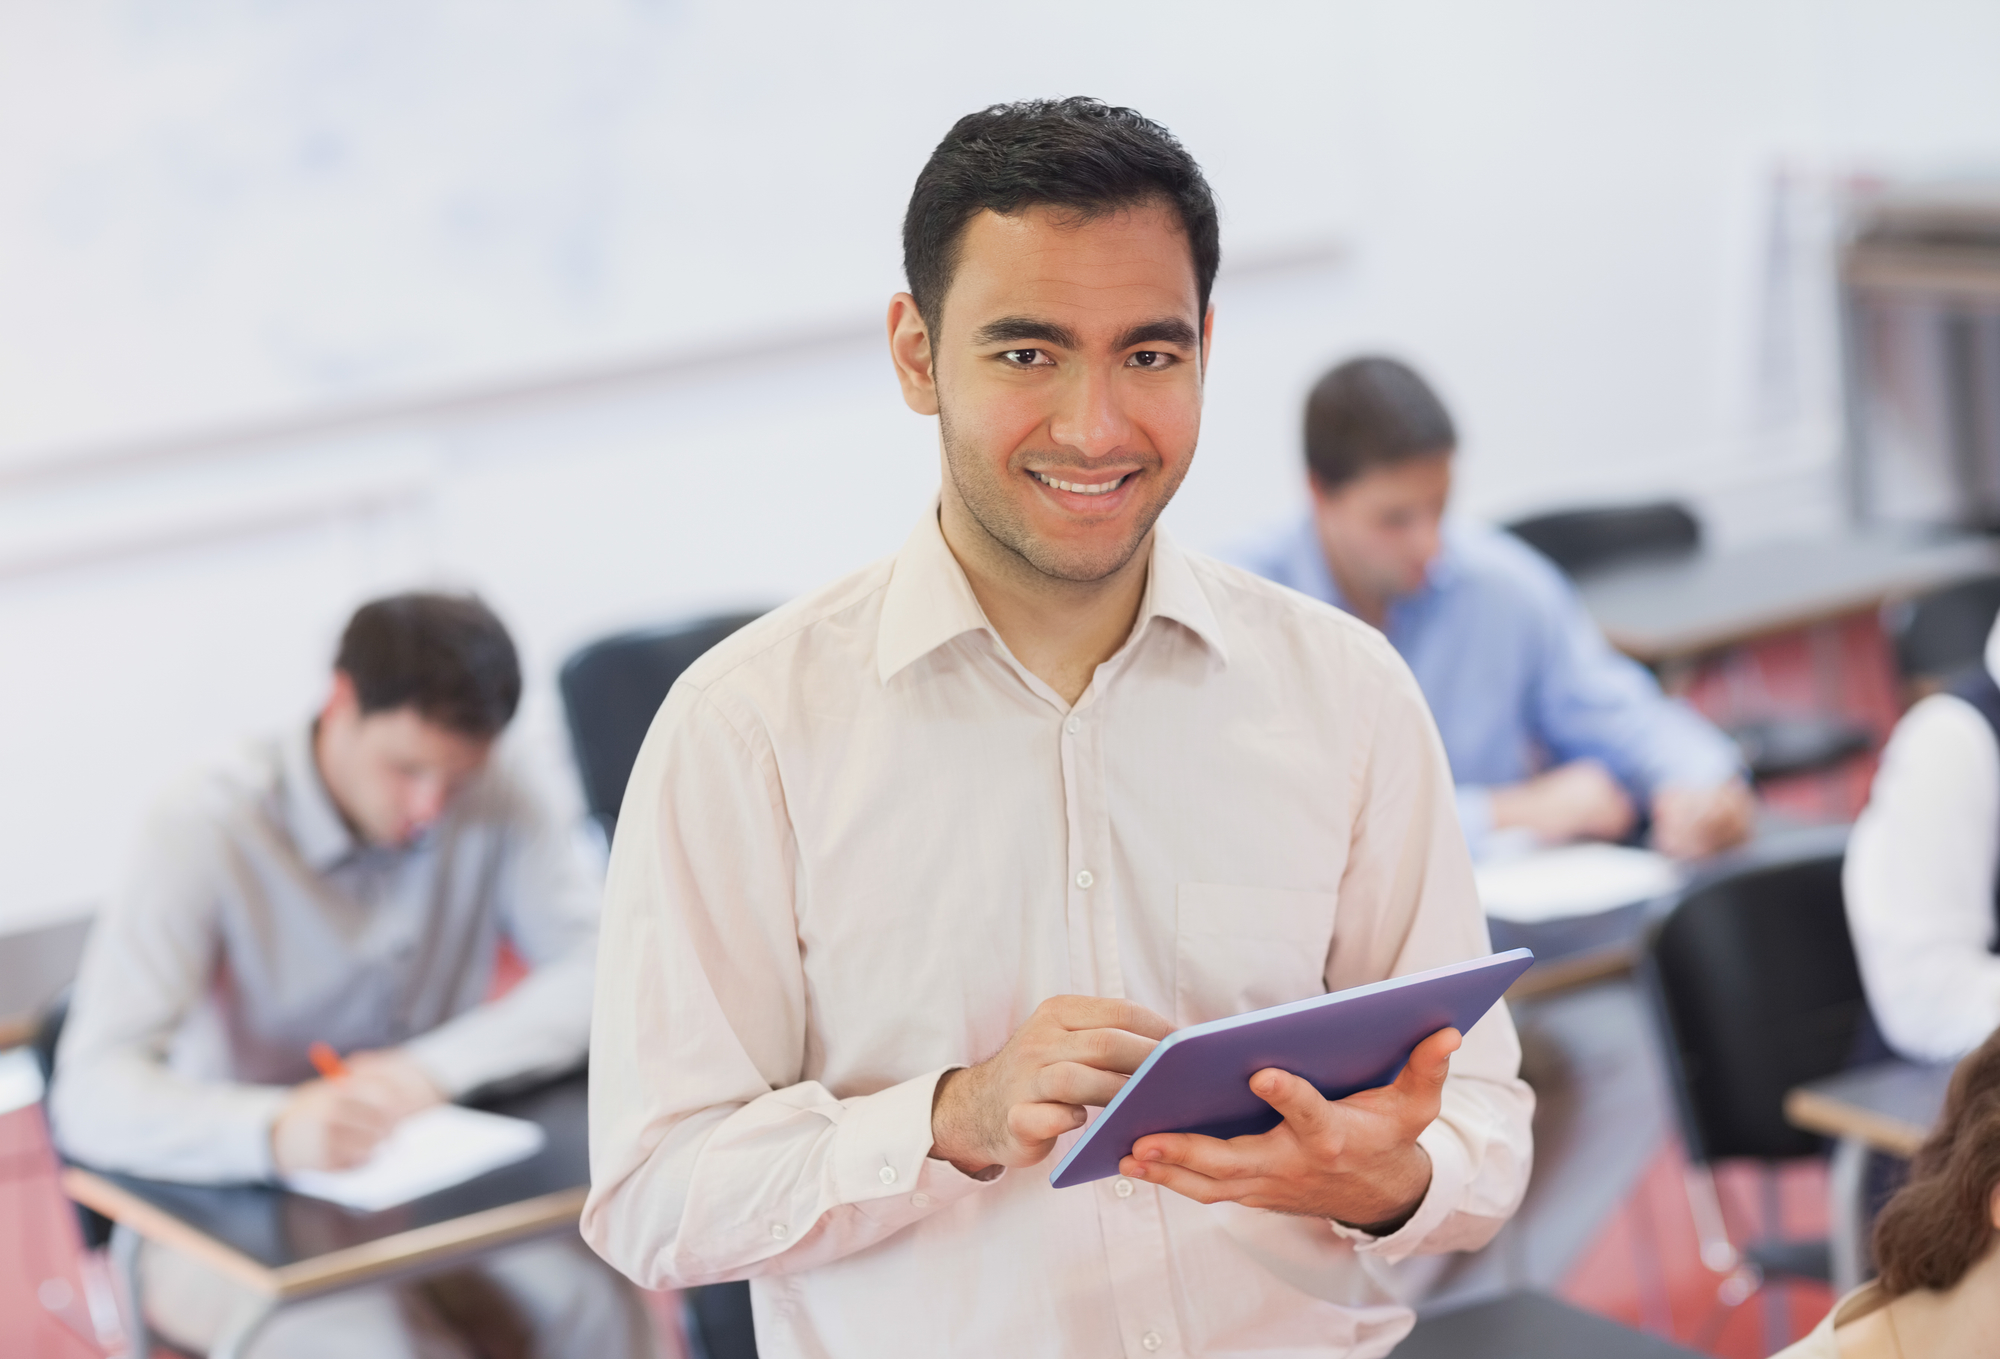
(1000, 518)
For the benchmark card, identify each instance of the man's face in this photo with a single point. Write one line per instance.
(392, 773)
(1380, 530)
(1067, 372)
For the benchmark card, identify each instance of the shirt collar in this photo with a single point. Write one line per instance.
(315, 823)
(929, 602)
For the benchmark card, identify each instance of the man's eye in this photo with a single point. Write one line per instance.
(1024, 358)
(1150, 358)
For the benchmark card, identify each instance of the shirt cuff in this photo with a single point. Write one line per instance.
(882, 1148)
(1451, 1175)
(246, 1127)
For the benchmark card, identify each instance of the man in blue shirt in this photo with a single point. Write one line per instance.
(1549, 731)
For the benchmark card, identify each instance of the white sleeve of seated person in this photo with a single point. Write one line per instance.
(1409, 862)
(115, 1102)
(710, 1158)
(548, 903)
(1919, 883)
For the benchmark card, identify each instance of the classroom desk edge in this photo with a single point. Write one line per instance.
(1815, 1112)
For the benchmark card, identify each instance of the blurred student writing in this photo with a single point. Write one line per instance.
(348, 883)
(1547, 728)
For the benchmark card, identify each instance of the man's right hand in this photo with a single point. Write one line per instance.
(1575, 801)
(1010, 1109)
(330, 1125)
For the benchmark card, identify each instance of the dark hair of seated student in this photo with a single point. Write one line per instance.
(1081, 156)
(1940, 1223)
(446, 656)
(1372, 412)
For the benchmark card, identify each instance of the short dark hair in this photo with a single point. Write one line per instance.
(1940, 1222)
(1372, 412)
(447, 656)
(1082, 156)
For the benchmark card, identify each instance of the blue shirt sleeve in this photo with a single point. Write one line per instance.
(1591, 702)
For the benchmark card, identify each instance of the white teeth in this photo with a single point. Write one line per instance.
(1101, 488)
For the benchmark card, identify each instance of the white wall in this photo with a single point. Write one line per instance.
(1601, 227)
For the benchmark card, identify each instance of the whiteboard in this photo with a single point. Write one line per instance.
(215, 212)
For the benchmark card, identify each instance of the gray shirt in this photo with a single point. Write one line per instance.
(251, 923)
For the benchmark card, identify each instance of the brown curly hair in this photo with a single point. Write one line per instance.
(1941, 1221)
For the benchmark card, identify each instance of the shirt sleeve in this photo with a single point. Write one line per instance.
(547, 901)
(1919, 881)
(711, 1157)
(1593, 703)
(1409, 904)
(115, 1103)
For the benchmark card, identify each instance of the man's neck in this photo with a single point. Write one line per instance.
(1061, 630)
(1371, 607)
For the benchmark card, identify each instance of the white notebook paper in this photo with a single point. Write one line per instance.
(433, 1150)
(1553, 884)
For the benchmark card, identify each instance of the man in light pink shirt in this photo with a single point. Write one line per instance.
(914, 871)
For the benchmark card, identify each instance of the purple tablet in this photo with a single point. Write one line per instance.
(1198, 1080)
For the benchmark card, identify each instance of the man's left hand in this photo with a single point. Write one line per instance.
(1693, 823)
(1354, 1160)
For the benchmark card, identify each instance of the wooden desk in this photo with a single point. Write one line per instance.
(1887, 1107)
(286, 1246)
(1681, 607)
(1573, 952)
(35, 964)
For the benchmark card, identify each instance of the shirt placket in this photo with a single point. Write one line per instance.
(1129, 1213)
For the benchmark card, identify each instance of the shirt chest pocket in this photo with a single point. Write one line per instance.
(1243, 948)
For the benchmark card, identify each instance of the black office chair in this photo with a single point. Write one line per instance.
(1754, 987)
(612, 688)
(1940, 634)
(1582, 541)
(94, 1227)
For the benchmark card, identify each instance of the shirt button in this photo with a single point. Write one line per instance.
(779, 1231)
(921, 1200)
(1151, 1340)
(1122, 1187)
(888, 1174)
(1083, 879)
(1073, 726)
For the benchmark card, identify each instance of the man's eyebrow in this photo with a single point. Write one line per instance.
(1013, 328)
(1168, 330)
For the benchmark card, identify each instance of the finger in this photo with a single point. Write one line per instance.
(1105, 1012)
(1422, 1077)
(1038, 1123)
(1105, 1049)
(1189, 1183)
(1211, 1157)
(1302, 1106)
(1075, 1083)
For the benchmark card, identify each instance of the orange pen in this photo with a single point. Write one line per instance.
(326, 1061)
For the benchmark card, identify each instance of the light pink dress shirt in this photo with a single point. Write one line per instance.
(862, 843)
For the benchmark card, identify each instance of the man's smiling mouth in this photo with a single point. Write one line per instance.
(1078, 488)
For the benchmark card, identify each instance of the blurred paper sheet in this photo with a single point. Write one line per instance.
(20, 1079)
(433, 1150)
(1554, 884)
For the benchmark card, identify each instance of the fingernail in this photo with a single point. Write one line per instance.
(1150, 1154)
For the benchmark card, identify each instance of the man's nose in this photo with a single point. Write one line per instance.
(427, 799)
(1091, 418)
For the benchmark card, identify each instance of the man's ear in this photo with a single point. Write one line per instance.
(342, 701)
(1207, 339)
(910, 350)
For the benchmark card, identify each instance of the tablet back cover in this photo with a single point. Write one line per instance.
(1198, 1079)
